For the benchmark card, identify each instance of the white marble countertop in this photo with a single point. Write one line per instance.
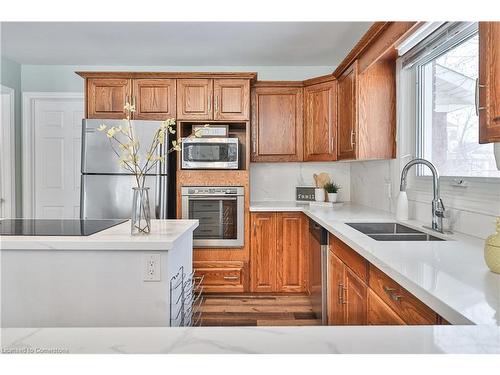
(450, 276)
(164, 235)
(319, 339)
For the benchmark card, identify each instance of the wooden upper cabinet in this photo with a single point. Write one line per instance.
(347, 118)
(292, 233)
(320, 118)
(106, 97)
(231, 99)
(277, 129)
(489, 82)
(194, 99)
(263, 252)
(154, 99)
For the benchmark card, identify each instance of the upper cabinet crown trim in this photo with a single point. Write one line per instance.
(242, 75)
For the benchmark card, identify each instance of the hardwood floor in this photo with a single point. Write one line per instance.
(257, 310)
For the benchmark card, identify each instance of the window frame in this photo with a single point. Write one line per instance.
(419, 67)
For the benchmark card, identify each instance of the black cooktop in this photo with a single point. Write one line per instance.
(52, 227)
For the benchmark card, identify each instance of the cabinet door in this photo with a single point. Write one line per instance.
(194, 99)
(263, 252)
(106, 97)
(231, 99)
(354, 299)
(335, 290)
(277, 124)
(347, 113)
(489, 82)
(290, 252)
(379, 313)
(320, 129)
(154, 99)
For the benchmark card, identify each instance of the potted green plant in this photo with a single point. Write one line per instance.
(332, 190)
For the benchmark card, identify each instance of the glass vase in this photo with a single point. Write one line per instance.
(141, 219)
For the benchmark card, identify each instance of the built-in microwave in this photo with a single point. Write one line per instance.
(210, 153)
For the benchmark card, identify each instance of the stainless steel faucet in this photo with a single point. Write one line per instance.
(437, 202)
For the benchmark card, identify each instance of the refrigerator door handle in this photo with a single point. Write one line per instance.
(161, 186)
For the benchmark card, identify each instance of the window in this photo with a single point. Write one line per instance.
(447, 123)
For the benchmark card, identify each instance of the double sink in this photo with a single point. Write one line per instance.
(392, 232)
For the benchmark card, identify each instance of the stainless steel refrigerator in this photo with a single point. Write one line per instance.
(106, 188)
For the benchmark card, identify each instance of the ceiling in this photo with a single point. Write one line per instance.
(180, 43)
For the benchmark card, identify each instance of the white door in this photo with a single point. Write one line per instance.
(7, 166)
(57, 147)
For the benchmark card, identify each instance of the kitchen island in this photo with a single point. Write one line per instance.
(105, 279)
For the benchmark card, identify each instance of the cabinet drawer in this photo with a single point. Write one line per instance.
(405, 304)
(351, 258)
(379, 313)
(220, 276)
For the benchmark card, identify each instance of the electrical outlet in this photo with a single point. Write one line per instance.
(152, 267)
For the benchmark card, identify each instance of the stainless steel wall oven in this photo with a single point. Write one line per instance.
(220, 211)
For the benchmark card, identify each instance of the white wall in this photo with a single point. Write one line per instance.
(56, 78)
(277, 181)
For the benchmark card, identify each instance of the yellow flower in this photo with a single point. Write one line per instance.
(101, 128)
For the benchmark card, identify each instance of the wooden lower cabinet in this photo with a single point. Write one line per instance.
(335, 290)
(360, 294)
(354, 298)
(263, 252)
(379, 313)
(346, 294)
(406, 305)
(220, 276)
(277, 252)
(290, 252)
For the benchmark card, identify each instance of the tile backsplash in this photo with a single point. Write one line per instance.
(277, 181)
(376, 184)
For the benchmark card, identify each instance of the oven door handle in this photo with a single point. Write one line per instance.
(199, 198)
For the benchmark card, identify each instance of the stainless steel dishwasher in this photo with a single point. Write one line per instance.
(318, 253)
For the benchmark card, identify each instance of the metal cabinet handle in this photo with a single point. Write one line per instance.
(344, 298)
(216, 103)
(231, 277)
(392, 295)
(124, 104)
(254, 146)
(133, 101)
(353, 138)
(255, 228)
(331, 145)
(476, 97)
(209, 103)
(340, 294)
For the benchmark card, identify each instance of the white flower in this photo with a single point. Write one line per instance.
(101, 128)
(111, 132)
